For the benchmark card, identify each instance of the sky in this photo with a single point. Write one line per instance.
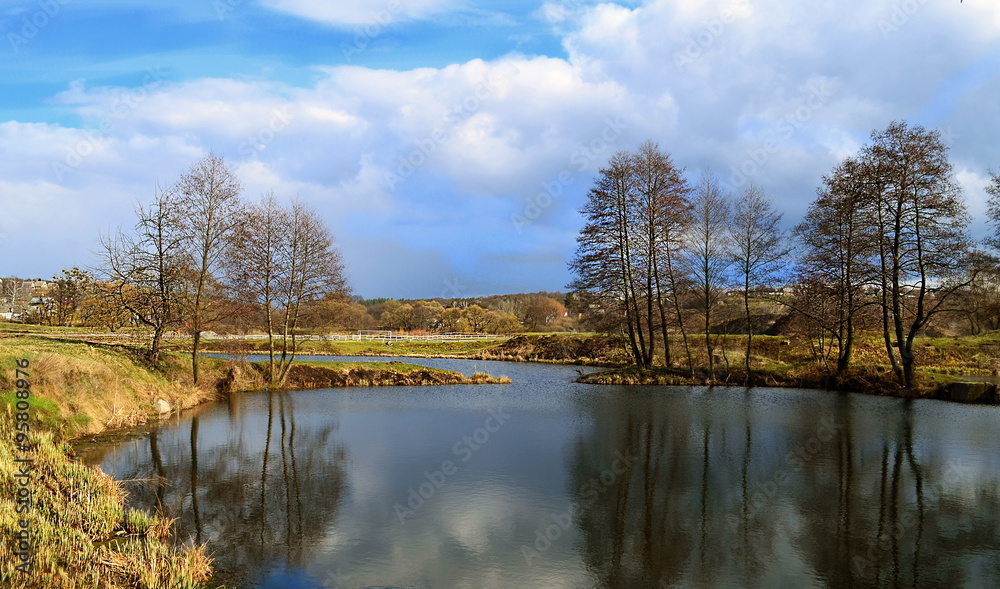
(450, 144)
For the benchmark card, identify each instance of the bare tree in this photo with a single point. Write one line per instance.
(981, 303)
(839, 238)
(707, 252)
(254, 262)
(626, 258)
(661, 210)
(993, 209)
(146, 268)
(16, 293)
(282, 260)
(311, 267)
(670, 269)
(759, 249)
(208, 197)
(924, 247)
(603, 261)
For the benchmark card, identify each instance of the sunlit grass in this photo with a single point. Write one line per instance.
(79, 388)
(81, 534)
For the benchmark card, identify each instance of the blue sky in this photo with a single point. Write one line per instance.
(450, 144)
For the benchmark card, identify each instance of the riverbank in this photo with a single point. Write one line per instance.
(82, 388)
(870, 380)
(317, 375)
(74, 529)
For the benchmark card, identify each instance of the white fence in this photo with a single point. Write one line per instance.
(376, 337)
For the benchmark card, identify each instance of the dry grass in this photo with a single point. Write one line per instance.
(487, 378)
(80, 388)
(82, 535)
(315, 375)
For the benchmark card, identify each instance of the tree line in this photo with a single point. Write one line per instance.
(80, 298)
(884, 246)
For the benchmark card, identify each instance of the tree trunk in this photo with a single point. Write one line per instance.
(194, 355)
(154, 351)
(708, 339)
(663, 324)
(680, 316)
(909, 376)
(270, 343)
(746, 307)
(651, 270)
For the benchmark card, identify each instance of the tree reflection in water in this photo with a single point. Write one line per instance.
(694, 511)
(233, 495)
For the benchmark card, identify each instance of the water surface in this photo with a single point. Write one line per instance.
(548, 483)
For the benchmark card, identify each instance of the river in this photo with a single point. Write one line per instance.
(549, 483)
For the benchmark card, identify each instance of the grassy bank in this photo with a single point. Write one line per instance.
(311, 375)
(80, 532)
(418, 349)
(82, 388)
(862, 379)
(789, 362)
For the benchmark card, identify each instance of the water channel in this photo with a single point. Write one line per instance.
(549, 483)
